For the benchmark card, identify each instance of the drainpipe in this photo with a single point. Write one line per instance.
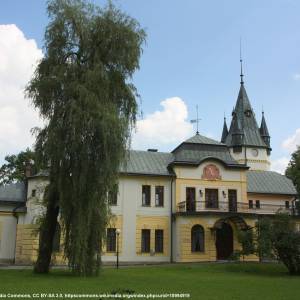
(171, 219)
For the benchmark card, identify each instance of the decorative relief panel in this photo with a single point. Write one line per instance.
(211, 172)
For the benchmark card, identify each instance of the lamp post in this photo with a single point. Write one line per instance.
(118, 231)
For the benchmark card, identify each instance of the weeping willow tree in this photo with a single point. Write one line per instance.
(82, 89)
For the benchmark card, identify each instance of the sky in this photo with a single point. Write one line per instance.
(191, 58)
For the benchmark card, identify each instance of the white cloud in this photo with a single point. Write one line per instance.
(163, 128)
(289, 145)
(296, 76)
(18, 58)
(279, 165)
(292, 142)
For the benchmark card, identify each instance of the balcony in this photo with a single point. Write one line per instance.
(223, 207)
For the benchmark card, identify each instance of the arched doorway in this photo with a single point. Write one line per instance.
(224, 241)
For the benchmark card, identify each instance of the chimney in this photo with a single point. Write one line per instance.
(28, 170)
(152, 150)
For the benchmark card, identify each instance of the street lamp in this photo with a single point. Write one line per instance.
(118, 231)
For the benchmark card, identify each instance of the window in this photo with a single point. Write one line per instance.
(257, 204)
(197, 238)
(146, 195)
(287, 204)
(33, 193)
(159, 196)
(56, 239)
(159, 241)
(232, 200)
(145, 240)
(190, 199)
(111, 240)
(113, 196)
(211, 198)
(250, 204)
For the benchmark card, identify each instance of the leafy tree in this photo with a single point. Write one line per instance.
(14, 168)
(285, 240)
(293, 172)
(82, 88)
(245, 238)
(263, 239)
(275, 237)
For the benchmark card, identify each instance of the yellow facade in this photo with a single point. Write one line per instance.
(27, 244)
(209, 253)
(117, 223)
(152, 223)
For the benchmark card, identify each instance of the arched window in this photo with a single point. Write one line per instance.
(197, 238)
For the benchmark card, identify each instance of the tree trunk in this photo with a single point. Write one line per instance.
(47, 232)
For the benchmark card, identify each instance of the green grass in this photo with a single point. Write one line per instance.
(202, 281)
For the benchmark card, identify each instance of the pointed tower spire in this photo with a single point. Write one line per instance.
(241, 62)
(225, 131)
(264, 132)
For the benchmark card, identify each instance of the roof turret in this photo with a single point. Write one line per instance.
(225, 131)
(264, 132)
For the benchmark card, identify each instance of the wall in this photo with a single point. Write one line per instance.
(184, 225)
(8, 225)
(191, 176)
(134, 215)
(259, 162)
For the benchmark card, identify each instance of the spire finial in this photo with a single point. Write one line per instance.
(241, 61)
(196, 120)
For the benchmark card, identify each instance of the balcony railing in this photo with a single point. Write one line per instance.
(239, 207)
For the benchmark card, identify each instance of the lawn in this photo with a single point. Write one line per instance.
(202, 281)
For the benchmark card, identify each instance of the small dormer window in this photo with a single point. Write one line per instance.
(248, 113)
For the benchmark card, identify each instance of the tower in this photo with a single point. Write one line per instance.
(248, 143)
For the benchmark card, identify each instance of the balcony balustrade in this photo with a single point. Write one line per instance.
(225, 206)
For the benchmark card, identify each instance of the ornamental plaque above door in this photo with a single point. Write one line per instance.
(211, 172)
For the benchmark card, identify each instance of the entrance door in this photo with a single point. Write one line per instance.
(224, 241)
(232, 200)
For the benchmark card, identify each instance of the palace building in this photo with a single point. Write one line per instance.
(182, 206)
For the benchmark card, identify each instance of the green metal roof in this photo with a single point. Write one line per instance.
(200, 139)
(268, 182)
(14, 192)
(198, 148)
(196, 156)
(244, 115)
(147, 162)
